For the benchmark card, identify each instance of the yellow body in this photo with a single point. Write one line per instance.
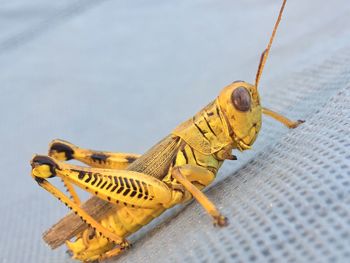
(202, 144)
(134, 189)
(139, 189)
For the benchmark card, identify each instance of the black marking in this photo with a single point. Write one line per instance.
(121, 189)
(232, 157)
(194, 157)
(210, 113)
(89, 177)
(127, 183)
(173, 162)
(99, 157)
(96, 193)
(121, 182)
(133, 193)
(183, 151)
(145, 188)
(130, 159)
(140, 196)
(104, 184)
(208, 124)
(109, 186)
(45, 160)
(99, 183)
(108, 198)
(81, 175)
(39, 180)
(95, 179)
(218, 113)
(126, 192)
(116, 184)
(61, 147)
(139, 185)
(212, 169)
(134, 187)
(116, 180)
(200, 130)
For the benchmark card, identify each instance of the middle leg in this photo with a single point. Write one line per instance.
(194, 178)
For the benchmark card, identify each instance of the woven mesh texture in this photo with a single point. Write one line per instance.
(97, 72)
(290, 203)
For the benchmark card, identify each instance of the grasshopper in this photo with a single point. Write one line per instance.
(130, 190)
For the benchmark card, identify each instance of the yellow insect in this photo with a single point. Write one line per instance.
(130, 190)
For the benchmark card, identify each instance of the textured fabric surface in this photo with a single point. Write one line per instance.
(119, 75)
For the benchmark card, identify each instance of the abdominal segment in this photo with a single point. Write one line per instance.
(90, 245)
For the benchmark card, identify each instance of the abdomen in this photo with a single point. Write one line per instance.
(127, 220)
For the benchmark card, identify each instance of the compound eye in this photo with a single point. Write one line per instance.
(241, 99)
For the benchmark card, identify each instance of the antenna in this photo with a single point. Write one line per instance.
(265, 54)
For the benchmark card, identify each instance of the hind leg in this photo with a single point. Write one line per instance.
(64, 151)
(117, 186)
(40, 172)
(91, 246)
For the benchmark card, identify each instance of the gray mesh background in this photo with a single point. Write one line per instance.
(119, 75)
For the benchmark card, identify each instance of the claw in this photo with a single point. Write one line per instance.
(296, 124)
(220, 221)
(116, 251)
(124, 245)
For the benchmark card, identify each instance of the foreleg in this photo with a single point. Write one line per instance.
(287, 122)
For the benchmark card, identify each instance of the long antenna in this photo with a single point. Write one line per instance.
(265, 54)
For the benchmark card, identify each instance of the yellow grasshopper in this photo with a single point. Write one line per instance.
(130, 190)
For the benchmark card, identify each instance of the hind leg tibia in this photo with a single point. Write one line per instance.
(40, 174)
